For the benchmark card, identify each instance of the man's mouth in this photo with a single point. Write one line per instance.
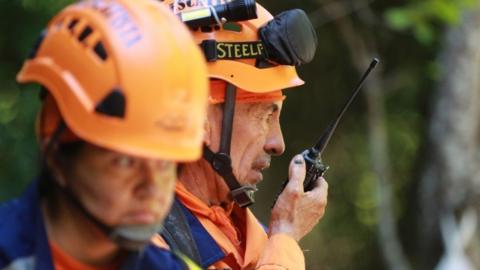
(261, 165)
(258, 172)
(142, 216)
(258, 177)
(257, 169)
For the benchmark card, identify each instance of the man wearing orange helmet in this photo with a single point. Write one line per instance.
(250, 62)
(111, 130)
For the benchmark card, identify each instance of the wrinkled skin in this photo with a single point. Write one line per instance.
(296, 212)
(256, 137)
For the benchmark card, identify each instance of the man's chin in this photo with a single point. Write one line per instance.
(254, 177)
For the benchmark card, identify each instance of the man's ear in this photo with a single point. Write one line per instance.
(54, 166)
(213, 125)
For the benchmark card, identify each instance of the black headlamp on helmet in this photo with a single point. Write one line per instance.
(288, 39)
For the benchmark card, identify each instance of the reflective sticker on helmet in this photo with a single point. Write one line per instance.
(240, 50)
(195, 14)
(119, 19)
(214, 50)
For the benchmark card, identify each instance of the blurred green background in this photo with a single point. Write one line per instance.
(379, 154)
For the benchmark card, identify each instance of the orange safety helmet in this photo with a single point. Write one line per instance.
(243, 73)
(122, 80)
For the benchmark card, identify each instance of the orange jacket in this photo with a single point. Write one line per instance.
(241, 237)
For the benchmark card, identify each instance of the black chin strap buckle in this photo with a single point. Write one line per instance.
(244, 196)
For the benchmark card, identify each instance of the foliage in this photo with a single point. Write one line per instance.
(18, 104)
(422, 16)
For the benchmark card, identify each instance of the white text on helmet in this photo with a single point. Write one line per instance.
(119, 19)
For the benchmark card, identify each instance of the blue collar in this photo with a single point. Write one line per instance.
(23, 233)
(23, 236)
(210, 251)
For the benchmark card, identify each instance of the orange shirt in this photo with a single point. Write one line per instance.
(242, 238)
(63, 261)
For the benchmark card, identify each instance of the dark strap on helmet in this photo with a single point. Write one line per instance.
(221, 162)
(227, 121)
(69, 194)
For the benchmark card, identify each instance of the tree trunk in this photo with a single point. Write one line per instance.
(362, 48)
(450, 179)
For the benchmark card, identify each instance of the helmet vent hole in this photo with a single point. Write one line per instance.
(113, 104)
(85, 33)
(72, 24)
(100, 51)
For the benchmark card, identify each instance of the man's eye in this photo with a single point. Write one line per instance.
(124, 161)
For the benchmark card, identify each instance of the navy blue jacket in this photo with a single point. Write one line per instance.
(24, 244)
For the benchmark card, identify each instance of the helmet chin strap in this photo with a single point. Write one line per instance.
(221, 162)
(129, 237)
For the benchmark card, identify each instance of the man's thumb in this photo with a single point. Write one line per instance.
(296, 173)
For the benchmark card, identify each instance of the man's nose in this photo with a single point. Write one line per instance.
(275, 145)
(150, 180)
